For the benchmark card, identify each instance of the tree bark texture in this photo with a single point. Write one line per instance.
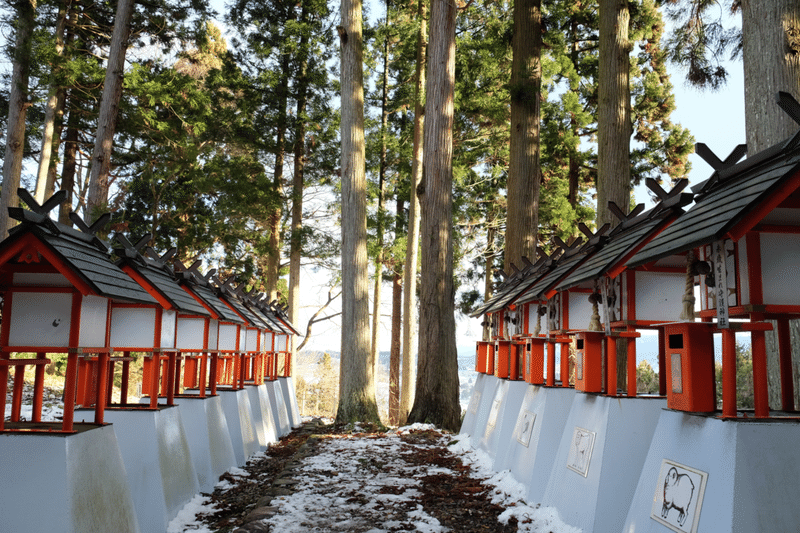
(68, 168)
(524, 173)
(17, 111)
(97, 200)
(379, 258)
(357, 375)
(408, 382)
(771, 54)
(437, 396)
(394, 353)
(274, 258)
(488, 285)
(613, 114)
(296, 250)
(614, 125)
(54, 105)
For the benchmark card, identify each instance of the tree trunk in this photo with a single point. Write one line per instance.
(54, 106)
(357, 374)
(394, 354)
(524, 172)
(614, 125)
(613, 113)
(17, 111)
(437, 396)
(68, 168)
(296, 250)
(97, 200)
(274, 257)
(488, 286)
(412, 245)
(379, 258)
(771, 53)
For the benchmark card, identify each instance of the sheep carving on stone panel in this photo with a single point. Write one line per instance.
(678, 490)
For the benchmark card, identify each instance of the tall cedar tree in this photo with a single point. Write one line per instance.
(524, 173)
(17, 111)
(437, 398)
(357, 375)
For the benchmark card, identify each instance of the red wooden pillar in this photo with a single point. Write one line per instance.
(201, 386)
(611, 366)
(171, 367)
(155, 370)
(760, 391)
(16, 395)
(126, 372)
(214, 370)
(70, 383)
(102, 387)
(551, 364)
(785, 351)
(3, 391)
(38, 390)
(728, 373)
(564, 363)
(662, 363)
(631, 367)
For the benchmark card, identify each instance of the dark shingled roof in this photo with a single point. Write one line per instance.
(622, 243)
(206, 293)
(723, 203)
(87, 256)
(168, 286)
(563, 268)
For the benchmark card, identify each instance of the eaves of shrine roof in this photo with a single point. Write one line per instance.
(730, 203)
(206, 293)
(86, 259)
(619, 245)
(168, 287)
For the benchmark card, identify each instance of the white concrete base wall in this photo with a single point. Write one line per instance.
(156, 454)
(71, 484)
(484, 407)
(500, 440)
(752, 470)
(471, 416)
(623, 429)
(239, 415)
(280, 415)
(262, 415)
(290, 398)
(547, 408)
(208, 437)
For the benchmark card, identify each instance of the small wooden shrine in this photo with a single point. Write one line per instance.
(155, 329)
(742, 240)
(59, 287)
(621, 301)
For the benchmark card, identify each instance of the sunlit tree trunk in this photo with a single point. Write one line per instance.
(437, 397)
(614, 125)
(379, 258)
(613, 113)
(17, 111)
(296, 251)
(357, 374)
(771, 54)
(97, 200)
(53, 108)
(524, 174)
(408, 381)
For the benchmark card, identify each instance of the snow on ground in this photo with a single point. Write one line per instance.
(510, 493)
(364, 484)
